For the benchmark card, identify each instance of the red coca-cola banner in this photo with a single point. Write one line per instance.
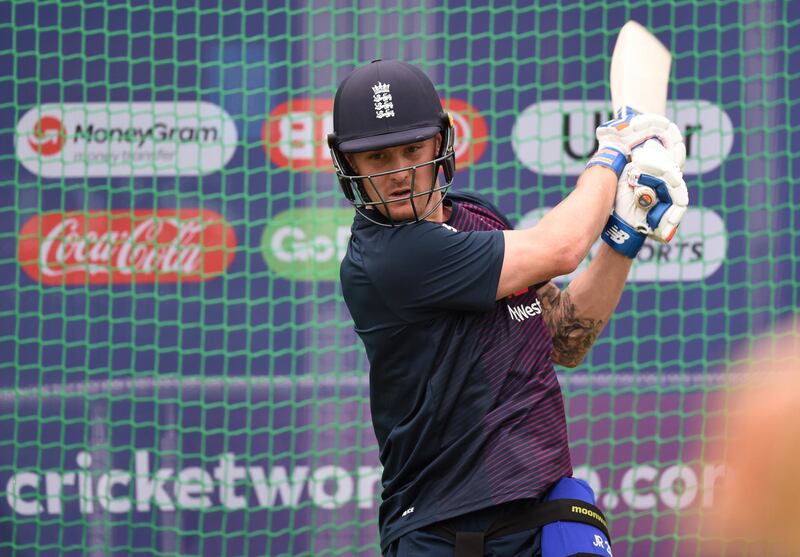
(126, 246)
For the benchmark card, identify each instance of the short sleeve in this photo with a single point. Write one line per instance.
(430, 267)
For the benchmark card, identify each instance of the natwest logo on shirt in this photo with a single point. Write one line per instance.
(296, 133)
(525, 311)
(123, 246)
(125, 139)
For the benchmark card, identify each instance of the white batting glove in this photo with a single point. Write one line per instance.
(658, 169)
(629, 224)
(618, 138)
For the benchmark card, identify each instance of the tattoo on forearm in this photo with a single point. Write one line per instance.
(572, 335)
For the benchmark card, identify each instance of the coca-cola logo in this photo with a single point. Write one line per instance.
(48, 136)
(123, 246)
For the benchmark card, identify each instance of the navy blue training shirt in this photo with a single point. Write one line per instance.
(465, 402)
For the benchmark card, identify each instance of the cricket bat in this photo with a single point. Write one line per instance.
(639, 78)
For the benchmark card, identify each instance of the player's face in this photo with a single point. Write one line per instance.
(395, 188)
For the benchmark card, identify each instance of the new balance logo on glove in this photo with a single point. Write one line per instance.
(617, 235)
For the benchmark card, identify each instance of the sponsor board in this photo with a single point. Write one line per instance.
(695, 252)
(225, 482)
(125, 139)
(122, 246)
(295, 135)
(148, 463)
(556, 138)
(307, 244)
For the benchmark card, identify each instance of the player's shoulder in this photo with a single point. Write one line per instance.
(389, 259)
(471, 198)
(378, 243)
(411, 238)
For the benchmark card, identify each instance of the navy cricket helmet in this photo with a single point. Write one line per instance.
(385, 104)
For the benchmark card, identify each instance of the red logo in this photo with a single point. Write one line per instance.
(296, 133)
(471, 131)
(48, 136)
(124, 247)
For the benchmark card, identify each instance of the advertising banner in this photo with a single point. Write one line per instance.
(180, 373)
(213, 467)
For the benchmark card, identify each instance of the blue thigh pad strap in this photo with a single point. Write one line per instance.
(566, 538)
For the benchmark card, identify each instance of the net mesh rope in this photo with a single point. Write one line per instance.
(180, 372)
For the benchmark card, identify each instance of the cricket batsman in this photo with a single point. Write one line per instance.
(462, 323)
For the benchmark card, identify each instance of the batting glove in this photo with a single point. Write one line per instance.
(618, 138)
(632, 221)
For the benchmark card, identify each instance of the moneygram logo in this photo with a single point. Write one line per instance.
(296, 133)
(125, 139)
(695, 252)
(123, 247)
(556, 138)
(307, 244)
(48, 136)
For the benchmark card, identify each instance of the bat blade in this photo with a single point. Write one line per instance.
(640, 68)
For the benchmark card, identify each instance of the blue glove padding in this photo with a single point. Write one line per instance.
(622, 237)
(613, 153)
(656, 167)
(655, 214)
(610, 158)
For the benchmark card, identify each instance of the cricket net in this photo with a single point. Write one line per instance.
(180, 373)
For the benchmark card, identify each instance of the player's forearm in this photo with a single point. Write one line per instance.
(580, 217)
(577, 315)
(561, 240)
(596, 291)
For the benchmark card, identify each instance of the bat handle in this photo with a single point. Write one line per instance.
(645, 196)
